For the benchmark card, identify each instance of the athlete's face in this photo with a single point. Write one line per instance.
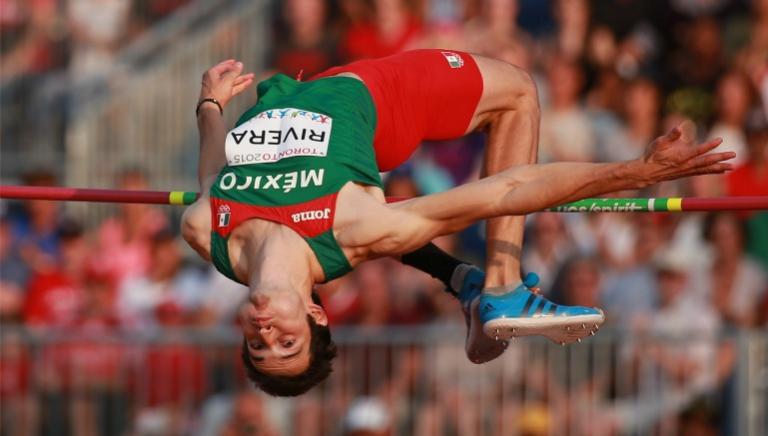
(277, 333)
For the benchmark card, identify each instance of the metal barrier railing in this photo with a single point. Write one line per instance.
(148, 119)
(166, 381)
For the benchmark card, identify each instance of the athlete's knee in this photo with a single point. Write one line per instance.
(520, 89)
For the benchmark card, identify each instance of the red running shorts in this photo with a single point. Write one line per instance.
(419, 95)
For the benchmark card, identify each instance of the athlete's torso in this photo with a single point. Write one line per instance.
(288, 158)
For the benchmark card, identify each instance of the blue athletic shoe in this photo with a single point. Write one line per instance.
(468, 281)
(522, 312)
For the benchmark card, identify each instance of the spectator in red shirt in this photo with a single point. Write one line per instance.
(55, 296)
(125, 240)
(752, 177)
(393, 29)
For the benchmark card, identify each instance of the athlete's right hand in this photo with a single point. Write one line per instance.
(676, 155)
(224, 81)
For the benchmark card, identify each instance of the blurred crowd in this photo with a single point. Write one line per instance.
(81, 37)
(611, 75)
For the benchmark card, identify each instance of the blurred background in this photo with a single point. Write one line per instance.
(109, 325)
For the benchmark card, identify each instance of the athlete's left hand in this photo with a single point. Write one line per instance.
(676, 155)
(224, 81)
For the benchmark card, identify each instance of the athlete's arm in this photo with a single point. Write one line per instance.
(222, 82)
(528, 188)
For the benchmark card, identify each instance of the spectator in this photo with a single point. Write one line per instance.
(249, 417)
(579, 282)
(34, 231)
(698, 62)
(167, 284)
(124, 240)
(732, 282)
(549, 248)
(642, 101)
(98, 28)
(30, 38)
(394, 28)
(566, 134)
(734, 100)
(13, 276)
(305, 45)
(631, 292)
(494, 32)
(687, 327)
(752, 179)
(55, 297)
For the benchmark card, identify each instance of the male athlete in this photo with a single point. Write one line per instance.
(292, 196)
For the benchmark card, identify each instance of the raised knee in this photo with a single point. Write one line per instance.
(521, 92)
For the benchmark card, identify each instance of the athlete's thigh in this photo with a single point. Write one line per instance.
(505, 87)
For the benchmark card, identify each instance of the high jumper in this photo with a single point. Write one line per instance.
(292, 196)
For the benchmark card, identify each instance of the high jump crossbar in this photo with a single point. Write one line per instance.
(182, 198)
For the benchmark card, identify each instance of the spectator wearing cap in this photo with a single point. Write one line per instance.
(683, 329)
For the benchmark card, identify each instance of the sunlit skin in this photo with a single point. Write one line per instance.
(275, 327)
(280, 269)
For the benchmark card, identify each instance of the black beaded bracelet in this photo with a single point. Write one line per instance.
(212, 100)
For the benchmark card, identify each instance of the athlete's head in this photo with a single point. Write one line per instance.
(287, 346)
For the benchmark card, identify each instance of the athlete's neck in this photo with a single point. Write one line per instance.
(274, 264)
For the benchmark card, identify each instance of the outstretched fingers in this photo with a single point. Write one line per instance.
(222, 67)
(241, 83)
(711, 159)
(707, 146)
(718, 168)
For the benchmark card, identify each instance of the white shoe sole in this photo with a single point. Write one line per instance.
(480, 347)
(559, 329)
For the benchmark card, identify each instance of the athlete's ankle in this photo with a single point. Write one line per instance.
(501, 290)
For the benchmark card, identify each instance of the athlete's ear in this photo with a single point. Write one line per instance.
(318, 314)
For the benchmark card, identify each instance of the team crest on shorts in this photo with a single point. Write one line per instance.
(223, 215)
(454, 60)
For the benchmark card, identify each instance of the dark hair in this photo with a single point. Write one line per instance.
(322, 350)
(713, 217)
